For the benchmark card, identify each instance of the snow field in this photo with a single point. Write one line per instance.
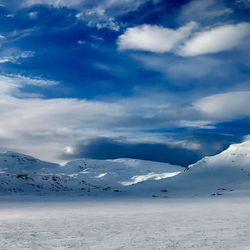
(215, 223)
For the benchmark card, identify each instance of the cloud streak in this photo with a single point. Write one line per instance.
(204, 11)
(11, 85)
(57, 3)
(15, 57)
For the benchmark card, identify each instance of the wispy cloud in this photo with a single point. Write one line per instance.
(97, 17)
(11, 85)
(204, 11)
(57, 3)
(100, 14)
(15, 57)
(121, 6)
(2, 39)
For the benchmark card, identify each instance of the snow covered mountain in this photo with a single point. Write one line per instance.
(24, 174)
(227, 173)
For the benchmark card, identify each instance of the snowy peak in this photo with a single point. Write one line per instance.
(226, 173)
(240, 148)
(237, 155)
(239, 151)
(16, 162)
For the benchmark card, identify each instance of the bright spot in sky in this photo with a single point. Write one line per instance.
(68, 150)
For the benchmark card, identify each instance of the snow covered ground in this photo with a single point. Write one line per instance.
(197, 223)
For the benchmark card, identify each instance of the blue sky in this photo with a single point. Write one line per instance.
(150, 79)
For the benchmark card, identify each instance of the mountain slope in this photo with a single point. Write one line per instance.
(225, 173)
(16, 162)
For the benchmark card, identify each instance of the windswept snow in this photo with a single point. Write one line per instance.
(101, 175)
(151, 176)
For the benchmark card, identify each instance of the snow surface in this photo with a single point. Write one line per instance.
(197, 224)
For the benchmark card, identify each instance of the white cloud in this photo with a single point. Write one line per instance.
(11, 85)
(217, 39)
(2, 39)
(45, 127)
(96, 13)
(232, 105)
(203, 11)
(154, 38)
(182, 69)
(55, 3)
(129, 5)
(119, 6)
(93, 8)
(5, 59)
(184, 41)
(97, 17)
(33, 14)
(15, 57)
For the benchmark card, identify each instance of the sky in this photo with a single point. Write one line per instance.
(156, 80)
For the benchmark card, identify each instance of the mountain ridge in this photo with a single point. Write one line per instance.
(226, 173)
